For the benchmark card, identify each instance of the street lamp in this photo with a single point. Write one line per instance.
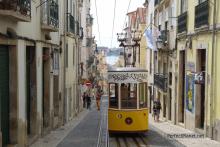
(122, 37)
(136, 38)
(159, 43)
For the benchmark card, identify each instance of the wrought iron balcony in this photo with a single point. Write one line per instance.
(89, 42)
(160, 81)
(162, 40)
(18, 10)
(182, 22)
(50, 16)
(202, 14)
(70, 24)
(89, 20)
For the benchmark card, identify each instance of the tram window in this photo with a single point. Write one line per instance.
(129, 96)
(113, 95)
(142, 96)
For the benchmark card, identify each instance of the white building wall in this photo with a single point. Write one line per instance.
(30, 29)
(39, 83)
(21, 80)
(150, 23)
(87, 31)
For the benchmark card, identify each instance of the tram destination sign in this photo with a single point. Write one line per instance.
(127, 77)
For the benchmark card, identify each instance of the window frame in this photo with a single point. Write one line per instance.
(116, 95)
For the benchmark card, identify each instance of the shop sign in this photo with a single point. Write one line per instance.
(200, 78)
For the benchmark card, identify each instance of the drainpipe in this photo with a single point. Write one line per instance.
(77, 88)
(64, 61)
(213, 72)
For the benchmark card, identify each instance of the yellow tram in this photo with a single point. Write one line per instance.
(127, 110)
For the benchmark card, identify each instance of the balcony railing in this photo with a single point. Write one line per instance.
(50, 19)
(160, 81)
(70, 24)
(89, 20)
(19, 10)
(164, 35)
(202, 14)
(89, 42)
(162, 40)
(182, 22)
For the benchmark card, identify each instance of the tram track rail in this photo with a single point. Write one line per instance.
(119, 140)
(103, 135)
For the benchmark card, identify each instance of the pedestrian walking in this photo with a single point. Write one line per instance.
(88, 101)
(84, 99)
(158, 108)
(98, 98)
(154, 110)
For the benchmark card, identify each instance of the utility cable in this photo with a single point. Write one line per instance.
(126, 14)
(97, 22)
(113, 23)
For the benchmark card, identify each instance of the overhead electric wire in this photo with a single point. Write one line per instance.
(126, 14)
(97, 22)
(113, 23)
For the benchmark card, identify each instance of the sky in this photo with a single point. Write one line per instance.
(105, 12)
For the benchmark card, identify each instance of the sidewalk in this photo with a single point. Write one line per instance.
(56, 136)
(169, 131)
(85, 134)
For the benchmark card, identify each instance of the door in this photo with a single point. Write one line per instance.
(46, 87)
(4, 94)
(182, 87)
(200, 99)
(31, 103)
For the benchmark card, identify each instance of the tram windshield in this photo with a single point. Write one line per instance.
(127, 88)
(142, 95)
(113, 93)
(128, 96)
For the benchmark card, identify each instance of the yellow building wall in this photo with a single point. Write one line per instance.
(205, 38)
(217, 80)
(205, 41)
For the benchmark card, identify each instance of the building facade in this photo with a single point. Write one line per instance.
(184, 60)
(165, 64)
(88, 46)
(39, 60)
(198, 36)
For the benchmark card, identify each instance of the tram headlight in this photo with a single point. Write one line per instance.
(128, 121)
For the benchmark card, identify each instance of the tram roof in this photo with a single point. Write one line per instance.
(126, 69)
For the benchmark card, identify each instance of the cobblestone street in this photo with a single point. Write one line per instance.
(85, 134)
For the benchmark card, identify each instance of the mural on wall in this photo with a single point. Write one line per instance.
(190, 82)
